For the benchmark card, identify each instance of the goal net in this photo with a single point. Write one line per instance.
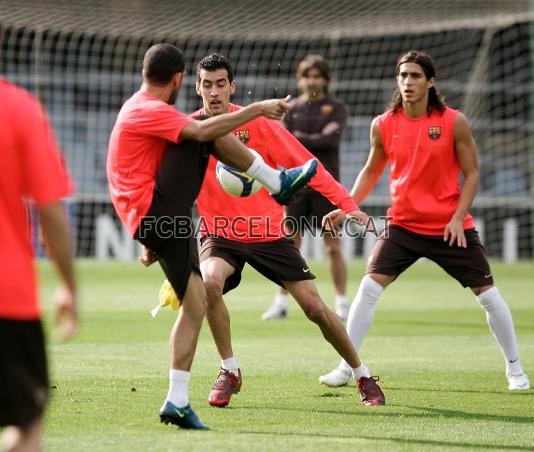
(83, 59)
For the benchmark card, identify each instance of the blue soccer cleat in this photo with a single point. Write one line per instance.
(292, 180)
(182, 417)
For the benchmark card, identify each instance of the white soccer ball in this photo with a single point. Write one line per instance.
(234, 181)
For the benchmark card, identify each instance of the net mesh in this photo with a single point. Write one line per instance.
(83, 60)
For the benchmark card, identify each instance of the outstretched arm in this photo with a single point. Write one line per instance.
(218, 126)
(466, 150)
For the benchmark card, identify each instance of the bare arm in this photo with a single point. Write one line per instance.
(56, 234)
(217, 126)
(373, 169)
(368, 176)
(466, 151)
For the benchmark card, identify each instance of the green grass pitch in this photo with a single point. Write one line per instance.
(440, 369)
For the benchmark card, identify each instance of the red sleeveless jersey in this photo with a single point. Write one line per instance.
(424, 170)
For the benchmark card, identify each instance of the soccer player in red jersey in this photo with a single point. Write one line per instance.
(317, 120)
(31, 168)
(250, 230)
(156, 162)
(427, 146)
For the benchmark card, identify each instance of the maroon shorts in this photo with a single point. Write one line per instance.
(401, 248)
(279, 260)
(23, 372)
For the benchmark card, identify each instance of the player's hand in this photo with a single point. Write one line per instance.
(454, 232)
(361, 218)
(274, 108)
(66, 313)
(148, 257)
(332, 221)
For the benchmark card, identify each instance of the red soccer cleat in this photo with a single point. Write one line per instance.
(223, 388)
(370, 392)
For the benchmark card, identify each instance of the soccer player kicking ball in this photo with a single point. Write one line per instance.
(156, 163)
(249, 230)
(427, 145)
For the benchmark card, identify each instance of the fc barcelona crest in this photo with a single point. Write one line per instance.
(434, 132)
(243, 135)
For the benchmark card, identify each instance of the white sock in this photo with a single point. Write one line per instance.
(280, 300)
(362, 312)
(231, 365)
(341, 300)
(267, 176)
(501, 325)
(179, 387)
(359, 372)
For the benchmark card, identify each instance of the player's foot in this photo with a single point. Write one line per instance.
(226, 384)
(275, 312)
(370, 392)
(338, 377)
(293, 179)
(342, 310)
(518, 382)
(182, 417)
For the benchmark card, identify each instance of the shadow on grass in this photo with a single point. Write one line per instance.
(392, 412)
(407, 441)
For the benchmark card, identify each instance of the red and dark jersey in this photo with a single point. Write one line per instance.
(258, 218)
(31, 168)
(424, 170)
(144, 127)
(307, 120)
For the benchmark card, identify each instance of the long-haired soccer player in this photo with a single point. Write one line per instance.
(427, 146)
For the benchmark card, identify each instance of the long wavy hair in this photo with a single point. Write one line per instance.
(436, 102)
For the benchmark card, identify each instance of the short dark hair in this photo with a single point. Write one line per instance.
(161, 63)
(213, 62)
(313, 61)
(436, 102)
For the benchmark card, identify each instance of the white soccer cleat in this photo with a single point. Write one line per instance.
(338, 377)
(342, 310)
(518, 382)
(275, 312)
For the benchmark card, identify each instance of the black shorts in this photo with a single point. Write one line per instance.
(279, 260)
(167, 229)
(308, 206)
(401, 248)
(23, 372)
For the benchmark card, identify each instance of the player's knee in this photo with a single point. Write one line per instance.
(332, 250)
(490, 299)
(214, 289)
(316, 310)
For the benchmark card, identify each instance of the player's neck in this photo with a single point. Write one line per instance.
(159, 92)
(415, 110)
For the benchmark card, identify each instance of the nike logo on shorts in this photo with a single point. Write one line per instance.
(305, 270)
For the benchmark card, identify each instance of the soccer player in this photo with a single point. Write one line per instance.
(249, 230)
(427, 146)
(317, 120)
(156, 162)
(31, 168)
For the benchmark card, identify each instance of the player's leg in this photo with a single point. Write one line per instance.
(183, 343)
(296, 214)
(392, 254)
(16, 439)
(338, 272)
(282, 184)
(470, 267)
(278, 309)
(306, 294)
(216, 271)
